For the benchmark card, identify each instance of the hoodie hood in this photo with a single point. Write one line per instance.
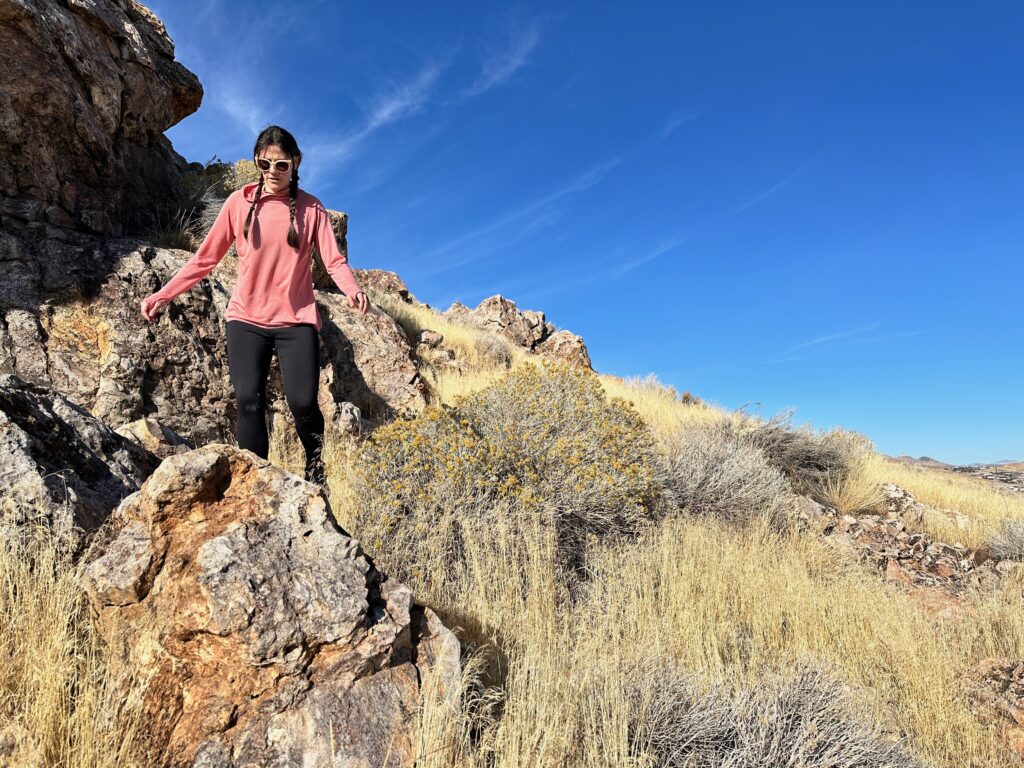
(249, 192)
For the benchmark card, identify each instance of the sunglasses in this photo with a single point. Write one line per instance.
(281, 166)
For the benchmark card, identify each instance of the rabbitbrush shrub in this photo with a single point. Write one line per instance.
(542, 440)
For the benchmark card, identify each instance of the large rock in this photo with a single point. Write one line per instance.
(388, 283)
(526, 328)
(88, 88)
(59, 465)
(262, 633)
(321, 277)
(565, 345)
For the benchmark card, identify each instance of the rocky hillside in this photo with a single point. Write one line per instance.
(514, 564)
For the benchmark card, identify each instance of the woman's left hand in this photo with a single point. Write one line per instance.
(359, 300)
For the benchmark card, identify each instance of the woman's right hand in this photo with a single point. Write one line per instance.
(151, 307)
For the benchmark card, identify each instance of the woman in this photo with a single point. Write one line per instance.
(274, 226)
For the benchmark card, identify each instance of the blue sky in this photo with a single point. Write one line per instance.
(807, 205)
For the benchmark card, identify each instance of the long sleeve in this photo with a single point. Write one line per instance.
(212, 250)
(335, 262)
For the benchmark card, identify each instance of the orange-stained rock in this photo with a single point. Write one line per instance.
(262, 632)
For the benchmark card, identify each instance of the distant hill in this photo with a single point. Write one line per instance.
(924, 461)
(928, 461)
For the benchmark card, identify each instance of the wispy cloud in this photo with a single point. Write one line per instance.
(234, 98)
(397, 101)
(890, 336)
(233, 84)
(616, 265)
(838, 336)
(862, 334)
(673, 241)
(682, 117)
(666, 245)
(513, 225)
(499, 65)
(548, 208)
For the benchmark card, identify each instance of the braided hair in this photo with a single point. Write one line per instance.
(293, 191)
(256, 199)
(278, 136)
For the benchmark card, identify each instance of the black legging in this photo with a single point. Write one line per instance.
(250, 348)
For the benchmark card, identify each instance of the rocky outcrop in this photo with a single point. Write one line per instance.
(936, 571)
(497, 314)
(457, 311)
(526, 328)
(261, 633)
(88, 89)
(59, 465)
(321, 278)
(69, 320)
(387, 283)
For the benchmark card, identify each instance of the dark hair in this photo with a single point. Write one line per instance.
(278, 136)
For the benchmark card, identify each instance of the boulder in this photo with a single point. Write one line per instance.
(457, 311)
(70, 320)
(525, 328)
(496, 314)
(154, 437)
(385, 282)
(321, 278)
(259, 632)
(89, 87)
(61, 466)
(566, 346)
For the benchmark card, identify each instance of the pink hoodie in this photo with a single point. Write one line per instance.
(275, 284)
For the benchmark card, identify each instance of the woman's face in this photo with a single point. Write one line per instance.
(275, 180)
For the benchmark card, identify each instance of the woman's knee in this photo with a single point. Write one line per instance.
(304, 406)
(249, 401)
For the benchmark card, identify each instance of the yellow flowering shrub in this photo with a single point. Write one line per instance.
(544, 441)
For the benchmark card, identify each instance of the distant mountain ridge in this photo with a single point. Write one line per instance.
(928, 461)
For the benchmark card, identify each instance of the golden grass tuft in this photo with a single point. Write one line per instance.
(57, 699)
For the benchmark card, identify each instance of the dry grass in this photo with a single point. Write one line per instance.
(733, 605)
(659, 406)
(1008, 541)
(56, 698)
(483, 356)
(855, 492)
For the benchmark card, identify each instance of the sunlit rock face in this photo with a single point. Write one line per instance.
(88, 89)
(261, 632)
